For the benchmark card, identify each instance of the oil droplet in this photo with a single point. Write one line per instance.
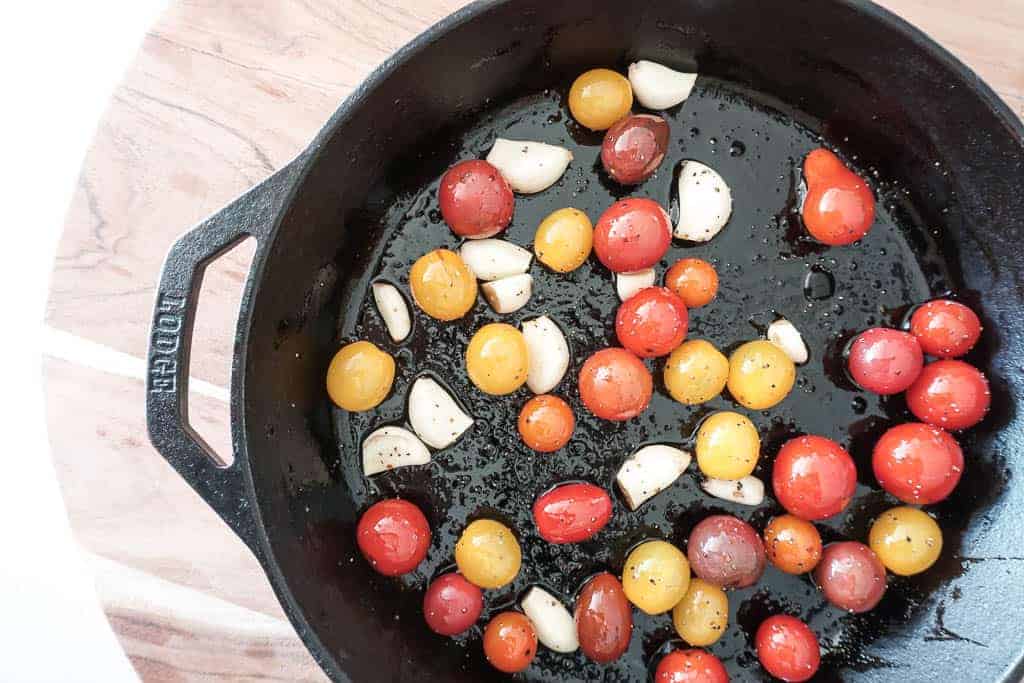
(694, 132)
(859, 405)
(819, 284)
(737, 149)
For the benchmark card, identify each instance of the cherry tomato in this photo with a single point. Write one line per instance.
(760, 374)
(452, 605)
(694, 280)
(634, 148)
(696, 372)
(793, 545)
(885, 361)
(497, 359)
(615, 385)
(655, 576)
(510, 643)
(604, 619)
(950, 394)
(442, 285)
(546, 423)
(476, 201)
(726, 551)
(690, 666)
(702, 616)
(839, 208)
(600, 97)
(652, 322)
(488, 554)
(813, 477)
(917, 463)
(787, 648)
(944, 328)
(632, 234)
(360, 376)
(393, 536)
(907, 540)
(563, 240)
(571, 513)
(851, 576)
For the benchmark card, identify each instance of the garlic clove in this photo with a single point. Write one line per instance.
(658, 87)
(549, 354)
(745, 491)
(784, 334)
(529, 167)
(434, 415)
(705, 202)
(649, 471)
(492, 259)
(388, 448)
(393, 309)
(554, 625)
(509, 294)
(628, 284)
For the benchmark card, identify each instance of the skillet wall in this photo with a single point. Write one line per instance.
(905, 106)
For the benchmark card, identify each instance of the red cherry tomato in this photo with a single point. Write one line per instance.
(546, 423)
(393, 536)
(945, 329)
(885, 361)
(615, 385)
(726, 551)
(917, 463)
(652, 322)
(632, 234)
(950, 394)
(510, 643)
(851, 576)
(839, 208)
(634, 147)
(813, 477)
(690, 666)
(476, 201)
(571, 513)
(604, 619)
(452, 605)
(787, 648)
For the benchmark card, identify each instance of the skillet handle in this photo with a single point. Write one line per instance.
(225, 488)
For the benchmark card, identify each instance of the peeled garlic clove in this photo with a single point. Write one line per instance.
(705, 202)
(509, 294)
(549, 354)
(628, 284)
(649, 471)
(745, 491)
(555, 627)
(434, 414)
(658, 87)
(393, 309)
(390, 447)
(529, 167)
(784, 334)
(492, 259)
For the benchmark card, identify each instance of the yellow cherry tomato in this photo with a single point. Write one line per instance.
(906, 540)
(760, 374)
(488, 554)
(702, 615)
(442, 285)
(564, 240)
(497, 360)
(696, 372)
(656, 576)
(599, 98)
(727, 446)
(360, 376)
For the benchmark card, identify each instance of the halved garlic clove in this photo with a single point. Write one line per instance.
(555, 627)
(649, 471)
(508, 294)
(658, 87)
(705, 202)
(784, 334)
(390, 447)
(492, 259)
(628, 284)
(745, 491)
(393, 309)
(549, 354)
(434, 414)
(529, 167)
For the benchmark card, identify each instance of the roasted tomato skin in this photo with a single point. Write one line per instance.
(945, 329)
(634, 148)
(885, 361)
(571, 513)
(510, 643)
(452, 604)
(839, 208)
(632, 234)
(476, 201)
(690, 666)
(604, 619)
(652, 322)
(813, 477)
(787, 648)
(726, 551)
(615, 385)
(950, 394)
(393, 536)
(917, 463)
(851, 576)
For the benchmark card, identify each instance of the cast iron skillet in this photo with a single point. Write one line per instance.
(946, 158)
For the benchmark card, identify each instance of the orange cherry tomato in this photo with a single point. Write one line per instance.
(693, 280)
(792, 544)
(510, 643)
(546, 423)
(652, 322)
(615, 384)
(839, 208)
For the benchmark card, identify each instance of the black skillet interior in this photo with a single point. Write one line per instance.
(778, 79)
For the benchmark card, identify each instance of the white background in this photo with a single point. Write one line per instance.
(59, 62)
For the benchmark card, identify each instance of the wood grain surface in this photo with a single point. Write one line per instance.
(222, 93)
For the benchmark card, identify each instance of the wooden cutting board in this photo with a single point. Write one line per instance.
(221, 94)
